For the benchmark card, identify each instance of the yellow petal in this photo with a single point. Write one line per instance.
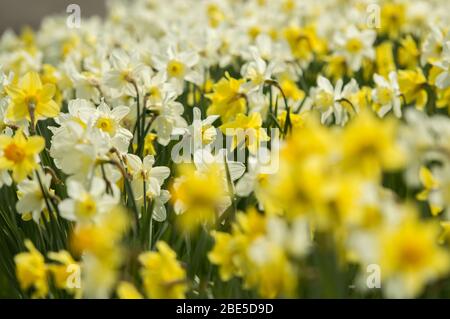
(19, 138)
(19, 174)
(48, 109)
(423, 195)
(31, 83)
(35, 144)
(47, 92)
(5, 140)
(126, 290)
(435, 210)
(427, 178)
(5, 164)
(14, 91)
(17, 112)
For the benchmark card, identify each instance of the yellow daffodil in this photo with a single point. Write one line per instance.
(385, 58)
(162, 274)
(31, 271)
(246, 131)
(410, 257)
(201, 196)
(227, 99)
(31, 99)
(19, 154)
(412, 86)
(369, 144)
(393, 18)
(66, 271)
(408, 53)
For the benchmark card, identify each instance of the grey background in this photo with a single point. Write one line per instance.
(17, 13)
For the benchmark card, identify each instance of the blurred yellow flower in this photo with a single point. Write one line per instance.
(201, 195)
(369, 145)
(412, 86)
(162, 274)
(31, 271)
(126, 290)
(410, 256)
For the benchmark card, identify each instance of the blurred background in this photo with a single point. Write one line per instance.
(17, 13)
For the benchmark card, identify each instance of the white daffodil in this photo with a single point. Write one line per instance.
(125, 70)
(169, 117)
(355, 46)
(108, 120)
(156, 87)
(86, 84)
(329, 100)
(85, 204)
(257, 71)
(77, 144)
(387, 94)
(31, 202)
(255, 180)
(432, 46)
(198, 135)
(295, 238)
(147, 181)
(179, 67)
(443, 79)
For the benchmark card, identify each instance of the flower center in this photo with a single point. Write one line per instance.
(354, 45)
(384, 95)
(411, 255)
(175, 69)
(154, 92)
(106, 125)
(14, 153)
(324, 99)
(87, 207)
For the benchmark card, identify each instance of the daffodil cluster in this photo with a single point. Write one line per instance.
(228, 149)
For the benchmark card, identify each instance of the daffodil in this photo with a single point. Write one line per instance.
(19, 154)
(31, 271)
(355, 45)
(387, 95)
(227, 98)
(31, 100)
(225, 254)
(85, 205)
(443, 79)
(412, 86)
(385, 62)
(32, 200)
(66, 271)
(436, 188)
(408, 53)
(199, 197)
(369, 145)
(147, 182)
(433, 46)
(410, 257)
(334, 100)
(393, 18)
(246, 131)
(162, 274)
